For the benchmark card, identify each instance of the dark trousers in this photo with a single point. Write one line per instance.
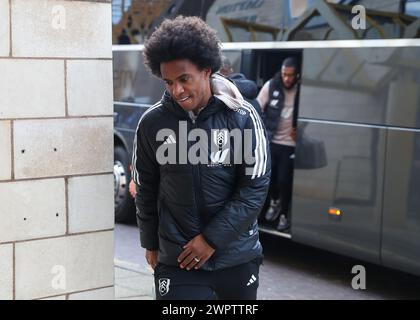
(235, 283)
(281, 182)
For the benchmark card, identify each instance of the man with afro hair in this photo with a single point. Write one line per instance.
(198, 219)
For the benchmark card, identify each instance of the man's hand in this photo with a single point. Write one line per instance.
(132, 188)
(151, 258)
(196, 253)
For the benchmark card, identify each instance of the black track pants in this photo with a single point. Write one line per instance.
(235, 283)
(281, 174)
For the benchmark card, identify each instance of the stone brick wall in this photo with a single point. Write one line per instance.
(56, 150)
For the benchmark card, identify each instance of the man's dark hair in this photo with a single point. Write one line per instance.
(183, 38)
(226, 63)
(291, 62)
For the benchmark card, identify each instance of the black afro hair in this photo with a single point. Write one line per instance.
(183, 38)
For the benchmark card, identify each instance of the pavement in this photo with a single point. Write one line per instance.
(291, 271)
(133, 275)
(131, 284)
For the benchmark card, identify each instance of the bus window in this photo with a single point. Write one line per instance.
(132, 81)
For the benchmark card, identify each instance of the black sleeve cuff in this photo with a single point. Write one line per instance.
(210, 243)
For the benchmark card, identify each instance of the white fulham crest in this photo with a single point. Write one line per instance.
(164, 286)
(220, 138)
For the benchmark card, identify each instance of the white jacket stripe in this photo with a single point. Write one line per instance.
(260, 166)
(135, 174)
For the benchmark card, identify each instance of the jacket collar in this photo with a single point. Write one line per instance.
(214, 105)
(225, 95)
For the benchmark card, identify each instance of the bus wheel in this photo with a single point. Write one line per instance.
(124, 203)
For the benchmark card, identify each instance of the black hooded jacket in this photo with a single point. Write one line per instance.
(219, 199)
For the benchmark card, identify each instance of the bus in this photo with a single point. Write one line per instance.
(356, 179)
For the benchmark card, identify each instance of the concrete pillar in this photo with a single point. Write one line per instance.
(56, 150)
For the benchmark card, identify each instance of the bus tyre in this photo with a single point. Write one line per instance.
(124, 203)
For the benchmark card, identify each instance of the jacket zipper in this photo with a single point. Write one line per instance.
(197, 181)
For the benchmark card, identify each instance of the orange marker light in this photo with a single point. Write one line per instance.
(334, 212)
